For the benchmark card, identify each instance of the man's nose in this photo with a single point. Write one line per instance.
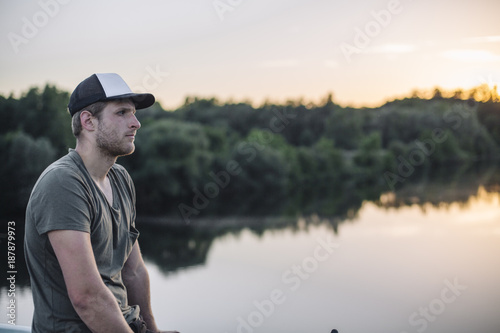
(135, 122)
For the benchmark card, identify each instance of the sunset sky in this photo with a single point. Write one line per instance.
(364, 51)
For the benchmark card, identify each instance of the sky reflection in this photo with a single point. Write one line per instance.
(392, 269)
(390, 264)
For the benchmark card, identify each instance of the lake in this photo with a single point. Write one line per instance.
(413, 268)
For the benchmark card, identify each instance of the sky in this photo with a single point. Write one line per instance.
(364, 52)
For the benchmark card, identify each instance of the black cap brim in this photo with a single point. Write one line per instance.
(141, 101)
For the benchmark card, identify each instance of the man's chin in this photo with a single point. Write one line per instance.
(128, 152)
(123, 151)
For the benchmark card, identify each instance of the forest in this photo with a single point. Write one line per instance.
(212, 158)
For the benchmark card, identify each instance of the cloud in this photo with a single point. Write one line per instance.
(470, 55)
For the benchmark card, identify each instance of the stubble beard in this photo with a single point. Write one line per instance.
(110, 145)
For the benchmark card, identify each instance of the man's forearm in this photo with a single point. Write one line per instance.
(100, 312)
(138, 292)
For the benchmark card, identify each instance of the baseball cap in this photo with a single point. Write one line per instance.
(105, 87)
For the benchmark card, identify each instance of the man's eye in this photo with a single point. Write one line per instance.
(121, 112)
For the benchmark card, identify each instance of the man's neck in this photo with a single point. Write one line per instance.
(96, 163)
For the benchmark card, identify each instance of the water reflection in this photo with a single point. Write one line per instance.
(390, 263)
(172, 244)
(396, 255)
(174, 247)
(444, 186)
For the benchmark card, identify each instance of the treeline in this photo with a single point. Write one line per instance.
(212, 158)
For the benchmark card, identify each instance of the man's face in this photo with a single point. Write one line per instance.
(117, 128)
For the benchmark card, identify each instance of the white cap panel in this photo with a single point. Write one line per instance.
(113, 84)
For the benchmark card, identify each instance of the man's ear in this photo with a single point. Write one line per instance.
(89, 122)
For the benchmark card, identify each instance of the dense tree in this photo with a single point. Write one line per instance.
(233, 158)
(44, 114)
(171, 159)
(489, 115)
(24, 158)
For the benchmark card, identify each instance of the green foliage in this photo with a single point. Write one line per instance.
(345, 127)
(370, 160)
(171, 158)
(24, 160)
(42, 114)
(489, 115)
(262, 183)
(288, 158)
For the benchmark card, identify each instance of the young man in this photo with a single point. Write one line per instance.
(86, 269)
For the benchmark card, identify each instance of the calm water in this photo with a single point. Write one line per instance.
(412, 269)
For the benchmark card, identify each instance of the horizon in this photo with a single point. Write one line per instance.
(423, 94)
(365, 53)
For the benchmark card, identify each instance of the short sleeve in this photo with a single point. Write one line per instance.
(61, 200)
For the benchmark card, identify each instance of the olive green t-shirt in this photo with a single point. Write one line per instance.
(66, 198)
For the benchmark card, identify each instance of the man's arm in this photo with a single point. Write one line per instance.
(92, 300)
(136, 279)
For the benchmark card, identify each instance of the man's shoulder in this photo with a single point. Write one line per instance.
(121, 172)
(61, 171)
(124, 181)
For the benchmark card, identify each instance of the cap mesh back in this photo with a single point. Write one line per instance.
(87, 92)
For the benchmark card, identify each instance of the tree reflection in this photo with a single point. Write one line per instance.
(173, 245)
